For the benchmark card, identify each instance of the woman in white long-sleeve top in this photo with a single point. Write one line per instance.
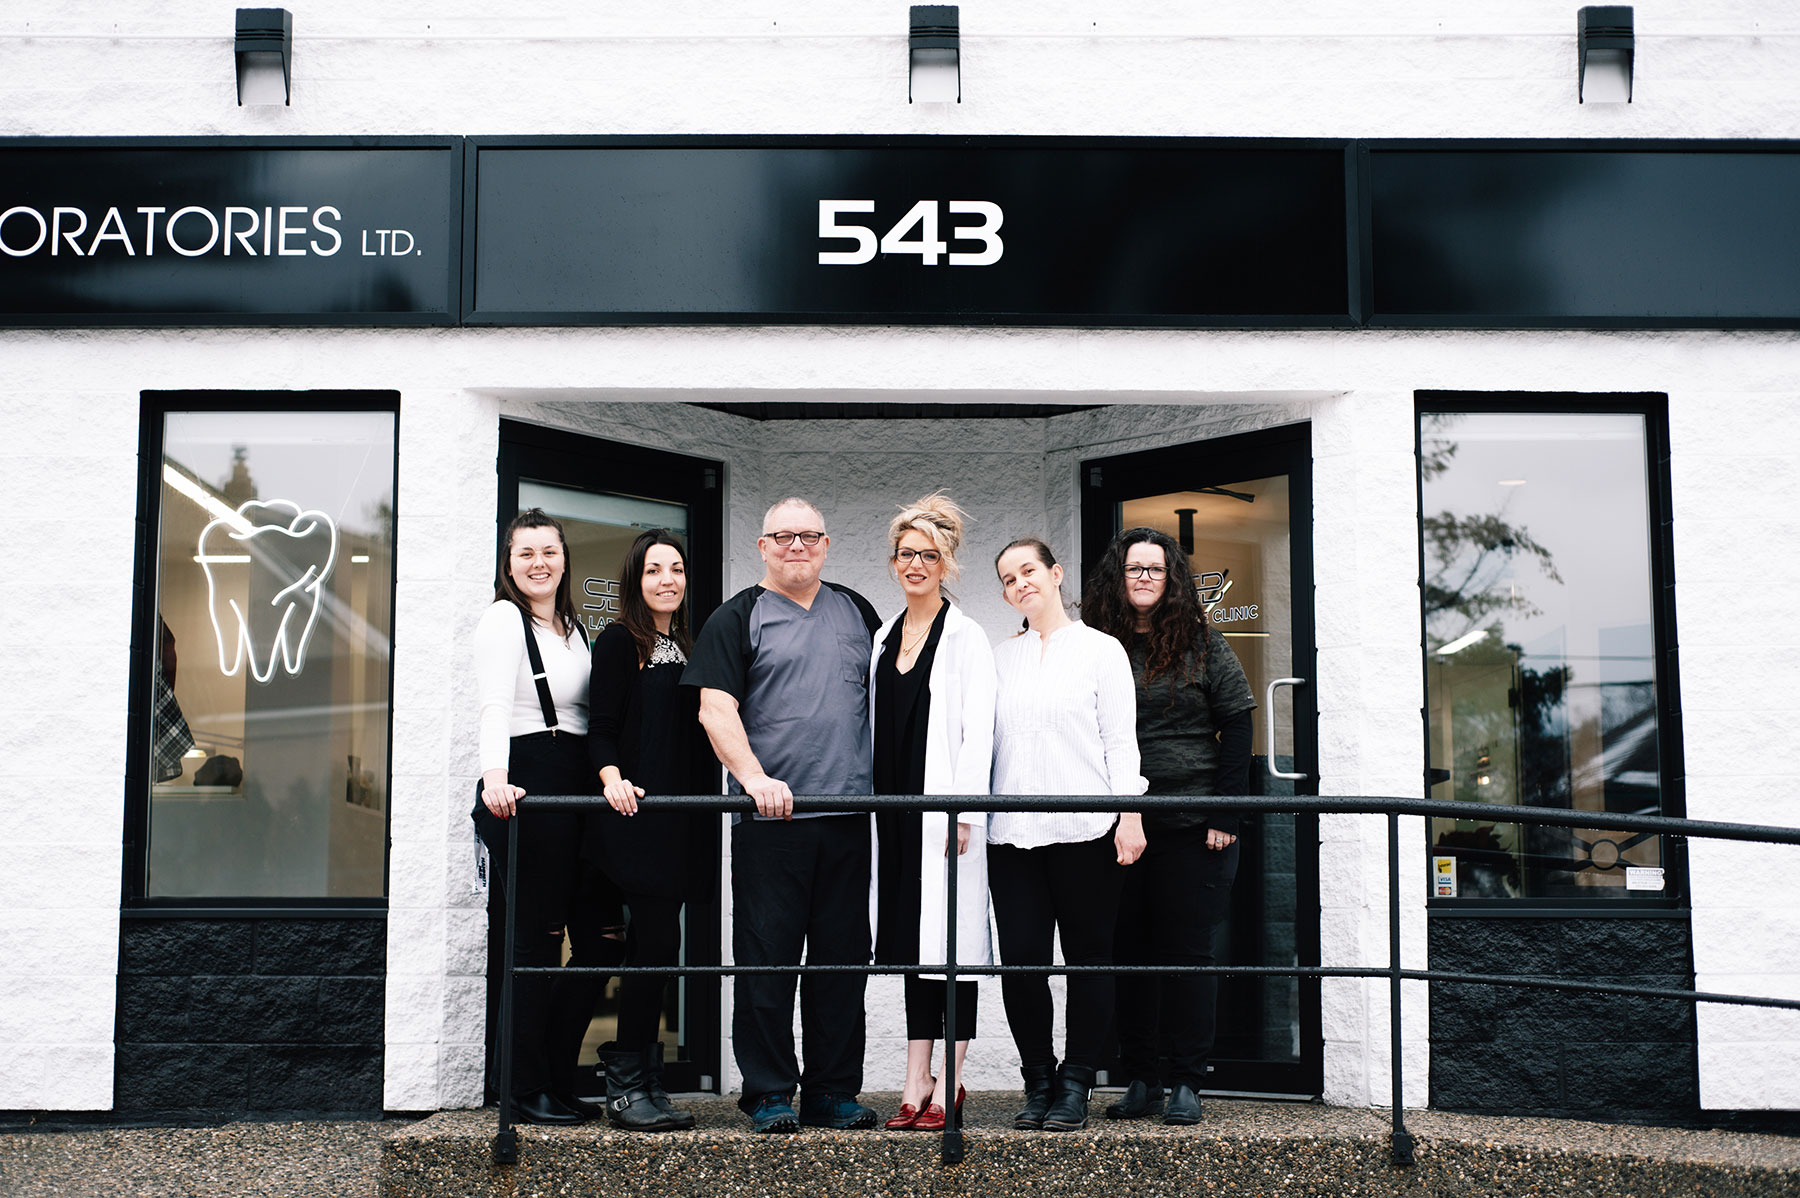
(1065, 723)
(931, 713)
(533, 740)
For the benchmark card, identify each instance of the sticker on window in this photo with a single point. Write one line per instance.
(1443, 877)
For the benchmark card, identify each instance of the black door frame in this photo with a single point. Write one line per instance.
(570, 459)
(1103, 484)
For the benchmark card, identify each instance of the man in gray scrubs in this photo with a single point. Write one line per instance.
(783, 672)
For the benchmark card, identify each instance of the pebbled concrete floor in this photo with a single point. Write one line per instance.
(1241, 1147)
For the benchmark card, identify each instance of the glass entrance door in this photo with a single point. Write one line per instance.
(1241, 509)
(604, 494)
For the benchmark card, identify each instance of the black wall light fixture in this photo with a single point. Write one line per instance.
(1606, 43)
(934, 55)
(264, 51)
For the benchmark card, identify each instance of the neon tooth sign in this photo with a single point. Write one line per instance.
(298, 549)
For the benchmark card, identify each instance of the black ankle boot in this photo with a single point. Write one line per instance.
(1070, 1110)
(1039, 1081)
(653, 1067)
(628, 1101)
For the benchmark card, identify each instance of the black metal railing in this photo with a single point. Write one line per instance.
(506, 1143)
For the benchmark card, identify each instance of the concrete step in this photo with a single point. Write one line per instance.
(1241, 1147)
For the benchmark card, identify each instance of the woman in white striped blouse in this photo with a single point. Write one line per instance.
(1065, 723)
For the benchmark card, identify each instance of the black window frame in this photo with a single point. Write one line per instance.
(1673, 900)
(145, 646)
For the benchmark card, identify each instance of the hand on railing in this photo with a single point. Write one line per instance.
(499, 796)
(773, 798)
(622, 796)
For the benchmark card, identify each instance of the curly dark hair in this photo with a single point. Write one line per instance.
(634, 613)
(1177, 624)
(506, 588)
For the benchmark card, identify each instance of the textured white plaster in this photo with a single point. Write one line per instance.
(49, 1076)
(461, 1077)
(62, 734)
(1732, 469)
(1381, 68)
(413, 1077)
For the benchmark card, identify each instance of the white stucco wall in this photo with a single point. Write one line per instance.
(1732, 670)
(1736, 482)
(62, 734)
(1383, 68)
(1317, 68)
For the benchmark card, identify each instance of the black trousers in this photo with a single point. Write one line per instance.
(655, 940)
(596, 926)
(1175, 896)
(800, 884)
(549, 1014)
(1066, 889)
(925, 1008)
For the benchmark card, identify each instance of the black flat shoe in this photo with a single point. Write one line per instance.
(1184, 1108)
(542, 1107)
(581, 1106)
(1138, 1101)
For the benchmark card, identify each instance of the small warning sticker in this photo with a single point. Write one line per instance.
(1643, 877)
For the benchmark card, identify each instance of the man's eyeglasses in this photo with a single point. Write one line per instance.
(784, 539)
(930, 557)
(1153, 573)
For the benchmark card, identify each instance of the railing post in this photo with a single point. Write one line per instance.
(1403, 1141)
(506, 1140)
(953, 1136)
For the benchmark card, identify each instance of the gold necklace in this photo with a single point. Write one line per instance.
(918, 639)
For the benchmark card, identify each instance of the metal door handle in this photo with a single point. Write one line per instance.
(1269, 725)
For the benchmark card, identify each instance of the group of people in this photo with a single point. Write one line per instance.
(797, 686)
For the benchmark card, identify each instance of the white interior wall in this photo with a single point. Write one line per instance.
(1014, 476)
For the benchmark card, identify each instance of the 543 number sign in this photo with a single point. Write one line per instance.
(914, 233)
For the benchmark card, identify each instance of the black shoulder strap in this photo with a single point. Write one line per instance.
(537, 672)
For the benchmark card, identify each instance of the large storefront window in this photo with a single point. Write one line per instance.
(269, 692)
(1541, 649)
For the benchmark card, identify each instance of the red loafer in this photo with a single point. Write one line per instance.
(908, 1117)
(932, 1117)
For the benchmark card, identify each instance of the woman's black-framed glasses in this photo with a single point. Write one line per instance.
(784, 539)
(1153, 573)
(930, 557)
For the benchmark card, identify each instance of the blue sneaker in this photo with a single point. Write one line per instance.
(774, 1113)
(840, 1111)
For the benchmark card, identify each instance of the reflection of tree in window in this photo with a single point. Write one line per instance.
(1506, 719)
(1542, 687)
(1474, 556)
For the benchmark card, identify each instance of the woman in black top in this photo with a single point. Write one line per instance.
(644, 737)
(931, 703)
(1193, 731)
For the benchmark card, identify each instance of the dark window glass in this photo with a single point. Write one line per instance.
(269, 696)
(1540, 650)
